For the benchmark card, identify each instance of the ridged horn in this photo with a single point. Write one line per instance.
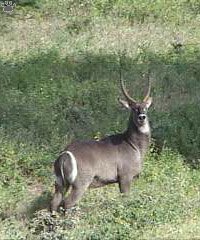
(129, 99)
(149, 89)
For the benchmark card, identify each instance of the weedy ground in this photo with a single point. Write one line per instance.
(59, 64)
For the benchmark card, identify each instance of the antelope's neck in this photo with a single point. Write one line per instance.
(139, 136)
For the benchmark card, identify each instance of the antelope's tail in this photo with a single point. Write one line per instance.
(68, 167)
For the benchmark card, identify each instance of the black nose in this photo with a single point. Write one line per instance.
(142, 116)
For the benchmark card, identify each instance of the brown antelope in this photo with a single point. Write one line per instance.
(113, 159)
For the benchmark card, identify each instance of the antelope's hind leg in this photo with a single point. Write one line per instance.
(60, 191)
(75, 196)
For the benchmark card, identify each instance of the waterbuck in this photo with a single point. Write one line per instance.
(113, 159)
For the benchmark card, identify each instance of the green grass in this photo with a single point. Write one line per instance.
(60, 81)
(162, 202)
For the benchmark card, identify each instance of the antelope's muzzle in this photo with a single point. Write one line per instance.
(142, 118)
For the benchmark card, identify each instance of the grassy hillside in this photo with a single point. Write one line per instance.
(59, 64)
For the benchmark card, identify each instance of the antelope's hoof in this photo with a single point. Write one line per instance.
(53, 214)
(63, 210)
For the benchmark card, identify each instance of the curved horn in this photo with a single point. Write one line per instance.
(130, 99)
(148, 91)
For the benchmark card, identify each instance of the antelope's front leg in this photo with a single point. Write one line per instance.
(125, 184)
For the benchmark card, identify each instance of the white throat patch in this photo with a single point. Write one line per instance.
(145, 128)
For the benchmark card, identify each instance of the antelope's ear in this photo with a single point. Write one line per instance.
(125, 103)
(148, 102)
